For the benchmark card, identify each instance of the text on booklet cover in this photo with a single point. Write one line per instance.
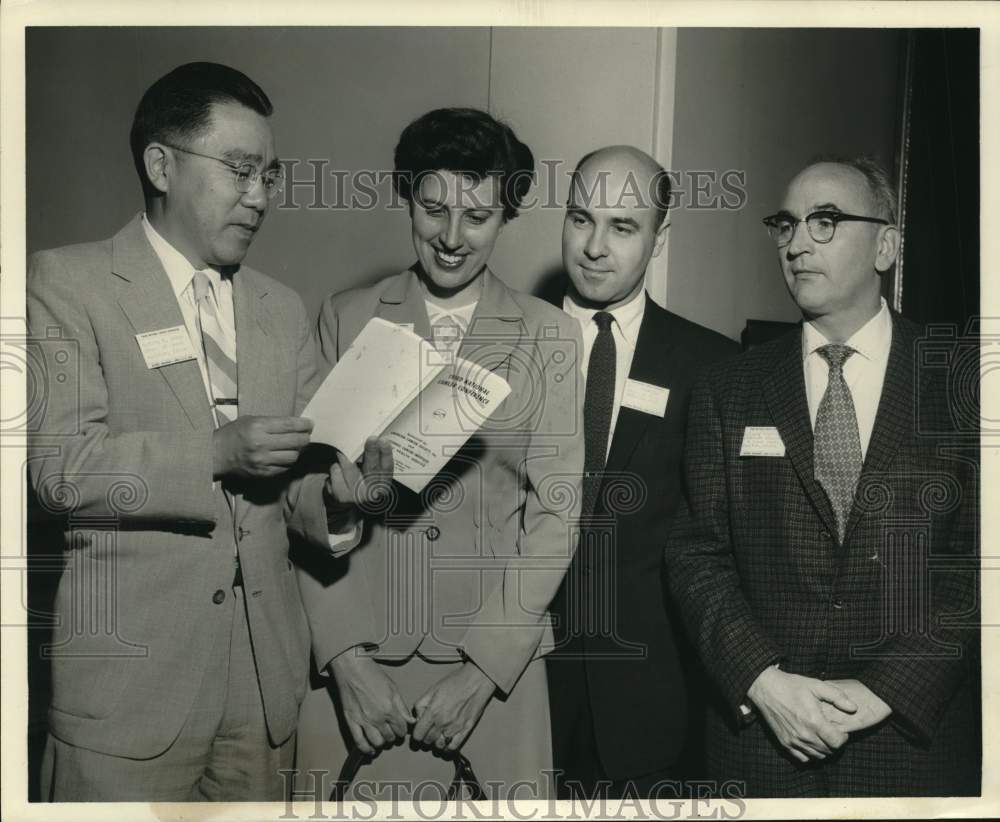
(396, 385)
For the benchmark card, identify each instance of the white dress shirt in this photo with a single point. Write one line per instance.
(625, 329)
(864, 371)
(181, 275)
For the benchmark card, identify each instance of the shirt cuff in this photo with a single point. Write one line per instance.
(345, 533)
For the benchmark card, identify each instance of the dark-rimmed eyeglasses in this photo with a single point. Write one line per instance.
(821, 225)
(245, 175)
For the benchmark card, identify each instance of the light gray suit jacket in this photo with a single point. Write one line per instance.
(468, 566)
(123, 454)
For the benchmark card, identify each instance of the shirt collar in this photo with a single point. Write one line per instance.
(871, 341)
(179, 270)
(437, 312)
(628, 316)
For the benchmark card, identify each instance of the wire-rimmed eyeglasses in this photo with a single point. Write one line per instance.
(245, 174)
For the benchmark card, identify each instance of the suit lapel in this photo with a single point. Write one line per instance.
(785, 394)
(256, 366)
(149, 303)
(495, 330)
(497, 319)
(403, 304)
(652, 349)
(894, 418)
(255, 376)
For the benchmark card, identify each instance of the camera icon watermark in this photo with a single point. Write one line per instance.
(540, 369)
(960, 361)
(50, 365)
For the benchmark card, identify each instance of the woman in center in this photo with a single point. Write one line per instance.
(428, 636)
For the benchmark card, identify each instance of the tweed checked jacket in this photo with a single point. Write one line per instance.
(760, 577)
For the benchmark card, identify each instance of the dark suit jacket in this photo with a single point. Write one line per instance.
(634, 675)
(760, 577)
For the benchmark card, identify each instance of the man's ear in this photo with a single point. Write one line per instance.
(661, 237)
(157, 163)
(887, 249)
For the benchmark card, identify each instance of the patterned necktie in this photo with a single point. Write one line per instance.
(220, 352)
(837, 445)
(598, 404)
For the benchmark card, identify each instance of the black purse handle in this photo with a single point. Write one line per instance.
(464, 777)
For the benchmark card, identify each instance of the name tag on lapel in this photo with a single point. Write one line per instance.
(165, 346)
(407, 326)
(762, 441)
(645, 397)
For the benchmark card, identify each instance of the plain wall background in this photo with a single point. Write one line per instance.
(763, 101)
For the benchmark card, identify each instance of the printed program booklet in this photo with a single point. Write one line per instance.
(392, 383)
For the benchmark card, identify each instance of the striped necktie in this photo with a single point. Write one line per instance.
(836, 442)
(220, 351)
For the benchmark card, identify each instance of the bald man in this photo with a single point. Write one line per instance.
(616, 684)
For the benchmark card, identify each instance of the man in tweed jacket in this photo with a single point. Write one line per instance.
(846, 667)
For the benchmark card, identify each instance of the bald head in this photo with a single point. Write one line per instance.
(614, 224)
(634, 174)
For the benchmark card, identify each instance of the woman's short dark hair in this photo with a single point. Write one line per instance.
(465, 141)
(178, 106)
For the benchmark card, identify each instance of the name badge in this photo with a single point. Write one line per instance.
(165, 346)
(407, 326)
(762, 441)
(645, 397)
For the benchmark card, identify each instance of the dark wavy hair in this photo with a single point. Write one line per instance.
(465, 141)
(178, 107)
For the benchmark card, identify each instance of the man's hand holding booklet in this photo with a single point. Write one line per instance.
(392, 383)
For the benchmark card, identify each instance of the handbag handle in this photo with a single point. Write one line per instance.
(464, 777)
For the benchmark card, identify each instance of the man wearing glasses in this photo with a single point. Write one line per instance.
(181, 648)
(814, 500)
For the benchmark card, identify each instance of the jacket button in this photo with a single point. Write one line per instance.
(432, 533)
(825, 535)
(219, 597)
(838, 604)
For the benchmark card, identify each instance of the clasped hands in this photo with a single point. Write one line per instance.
(377, 716)
(811, 718)
(255, 447)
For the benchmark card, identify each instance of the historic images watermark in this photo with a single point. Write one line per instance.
(429, 799)
(318, 184)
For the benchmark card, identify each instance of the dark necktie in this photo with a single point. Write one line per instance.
(836, 442)
(598, 404)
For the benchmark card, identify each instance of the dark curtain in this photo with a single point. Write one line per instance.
(941, 269)
(940, 273)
